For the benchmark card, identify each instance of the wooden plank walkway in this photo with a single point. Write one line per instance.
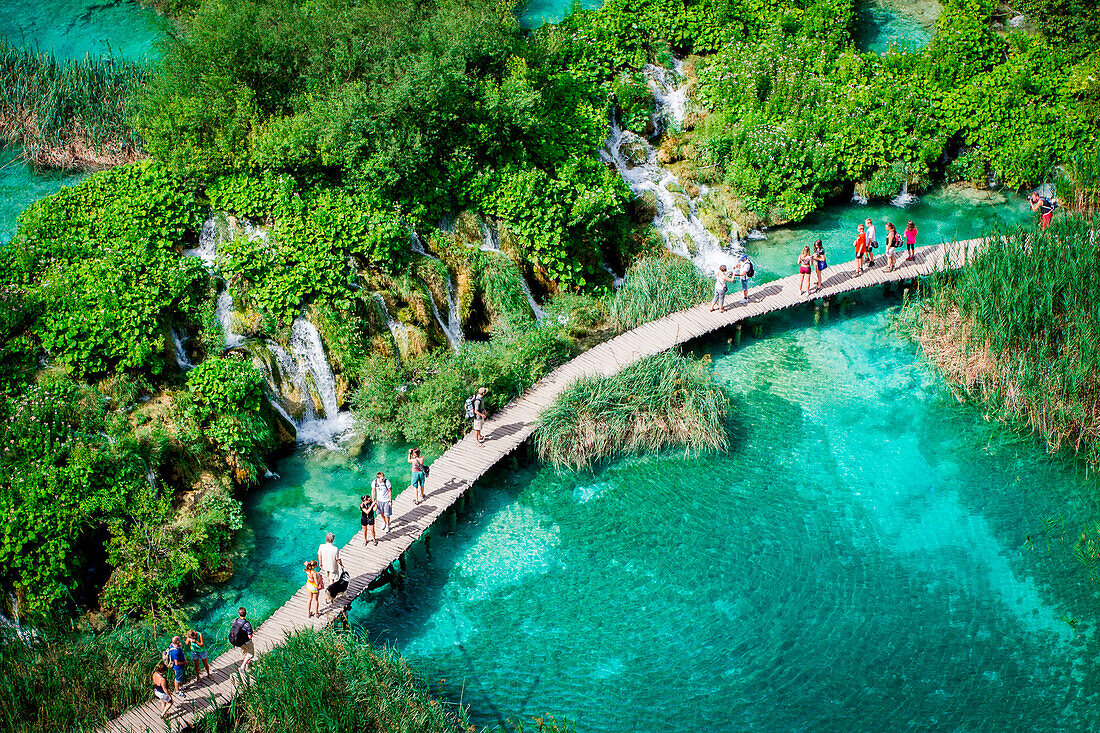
(465, 462)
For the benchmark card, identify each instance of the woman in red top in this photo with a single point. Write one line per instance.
(861, 250)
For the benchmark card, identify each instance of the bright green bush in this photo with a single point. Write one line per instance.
(634, 100)
(225, 396)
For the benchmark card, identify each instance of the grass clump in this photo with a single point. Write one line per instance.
(664, 400)
(70, 114)
(324, 681)
(61, 676)
(656, 286)
(1018, 329)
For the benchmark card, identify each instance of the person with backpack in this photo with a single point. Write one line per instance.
(419, 474)
(1042, 206)
(381, 491)
(160, 689)
(177, 659)
(745, 273)
(240, 636)
(892, 241)
(328, 558)
(475, 411)
(196, 645)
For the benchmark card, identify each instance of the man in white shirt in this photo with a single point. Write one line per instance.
(382, 492)
(869, 229)
(328, 557)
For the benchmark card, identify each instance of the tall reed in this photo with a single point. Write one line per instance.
(1019, 328)
(70, 114)
(656, 286)
(59, 677)
(664, 400)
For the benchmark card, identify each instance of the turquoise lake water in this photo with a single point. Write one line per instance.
(907, 25)
(858, 560)
(69, 29)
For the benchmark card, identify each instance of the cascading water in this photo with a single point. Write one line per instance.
(636, 160)
(181, 352)
(452, 329)
(489, 241)
(397, 328)
(328, 422)
(904, 198)
(535, 307)
(223, 313)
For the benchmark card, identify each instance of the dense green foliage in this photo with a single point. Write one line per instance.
(420, 401)
(63, 677)
(47, 105)
(662, 401)
(324, 681)
(1019, 328)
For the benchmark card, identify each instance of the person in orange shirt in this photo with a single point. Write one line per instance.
(861, 250)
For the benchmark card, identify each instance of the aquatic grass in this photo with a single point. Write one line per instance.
(70, 114)
(1018, 328)
(324, 681)
(60, 675)
(662, 401)
(656, 286)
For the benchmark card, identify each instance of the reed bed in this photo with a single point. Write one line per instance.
(327, 682)
(656, 286)
(70, 114)
(1018, 329)
(662, 401)
(58, 677)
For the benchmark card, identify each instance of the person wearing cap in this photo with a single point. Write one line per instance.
(743, 274)
(479, 414)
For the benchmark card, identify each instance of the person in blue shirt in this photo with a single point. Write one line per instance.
(175, 655)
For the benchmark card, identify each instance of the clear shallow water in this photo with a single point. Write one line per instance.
(540, 12)
(908, 24)
(69, 29)
(318, 492)
(855, 562)
(940, 216)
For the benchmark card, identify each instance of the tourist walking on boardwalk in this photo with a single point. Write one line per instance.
(910, 240)
(196, 646)
(805, 263)
(872, 241)
(382, 493)
(419, 474)
(160, 689)
(240, 635)
(314, 584)
(328, 558)
(892, 239)
(366, 508)
(178, 660)
(475, 410)
(1043, 206)
(819, 261)
(745, 274)
(861, 249)
(721, 283)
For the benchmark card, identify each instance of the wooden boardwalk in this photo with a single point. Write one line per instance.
(453, 473)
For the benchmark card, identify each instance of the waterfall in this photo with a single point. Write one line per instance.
(181, 352)
(676, 221)
(904, 198)
(535, 307)
(207, 250)
(616, 281)
(489, 241)
(396, 327)
(329, 423)
(224, 309)
(452, 329)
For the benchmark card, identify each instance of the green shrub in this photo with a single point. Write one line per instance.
(635, 101)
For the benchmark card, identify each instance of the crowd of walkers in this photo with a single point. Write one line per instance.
(327, 572)
(866, 243)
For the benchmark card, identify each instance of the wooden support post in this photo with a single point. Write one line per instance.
(737, 336)
(825, 315)
(729, 345)
(404, 561)
(817, 311)
(758, 330)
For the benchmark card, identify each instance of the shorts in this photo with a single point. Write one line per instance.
(478, 424)
(418, 479)
(385, 508)
(367, 521)
(804, 270)
(1044, 220)
(177, 670)
(200, 654)
(744, 283)
(821, 265)
(247, 650)
(890, 251)
(162, 696)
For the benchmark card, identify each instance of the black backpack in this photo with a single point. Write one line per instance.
(750, 271)
(237, 634)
